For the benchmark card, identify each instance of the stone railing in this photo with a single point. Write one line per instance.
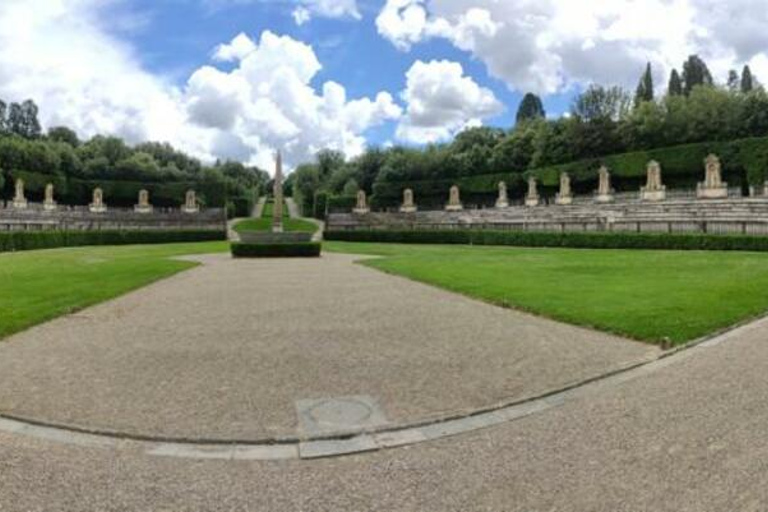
(36, 218)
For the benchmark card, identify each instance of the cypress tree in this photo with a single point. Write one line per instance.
(645, 87)
(747, 81)
(675, 84)
(734, 81)
(530, 108)
(695, 72)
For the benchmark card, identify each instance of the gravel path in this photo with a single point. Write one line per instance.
(689, 437)
(226, 350)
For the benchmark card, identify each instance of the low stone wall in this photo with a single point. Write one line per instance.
(80, 218)
(731, 216)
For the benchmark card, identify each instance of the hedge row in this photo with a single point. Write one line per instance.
(31, 240)
(602, 240)
(284, 250)
(745, 161)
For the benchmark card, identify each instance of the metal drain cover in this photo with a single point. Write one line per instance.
(329, 415)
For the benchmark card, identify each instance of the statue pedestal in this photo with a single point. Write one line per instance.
(502, 203)
(142, 208)
(704, 192)
(190, 209)
(20, 204)
(604, 198)
(50, 206)
(454, 207)
(97, 208)
(532, 201)
(563, 200)
(408, 209)
(361, 211)
(653, 195)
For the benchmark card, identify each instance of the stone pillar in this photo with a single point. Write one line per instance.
(653, 190)
(143, 206)
(50, 203)
(19, 200)
(361, 207)
(604, 191)
(190, 203)
(503, 200)
(454, 200)
(532, 198)
(408, 205)
(98, 206)
(565, 196)
(713, 186)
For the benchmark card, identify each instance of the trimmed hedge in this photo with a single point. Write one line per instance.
(604, 240)
(31, 240)
(284, 250)
(745, 162)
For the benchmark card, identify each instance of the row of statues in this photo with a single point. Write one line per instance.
(713, 187)
(98, 205)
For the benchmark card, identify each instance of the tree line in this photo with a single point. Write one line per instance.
(60, 156)
(602, 120)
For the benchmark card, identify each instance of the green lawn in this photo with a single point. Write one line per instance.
(265, 224)
(40, 285)
(647, 295)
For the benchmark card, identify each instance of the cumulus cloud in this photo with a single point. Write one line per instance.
(306, 9)
(548, 45)
(441, 101)
(59, 53)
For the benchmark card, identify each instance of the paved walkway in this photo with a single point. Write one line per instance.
(689, 436)
(237, 349)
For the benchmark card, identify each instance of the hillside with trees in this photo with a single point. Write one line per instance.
(76, 167)
(694, 112)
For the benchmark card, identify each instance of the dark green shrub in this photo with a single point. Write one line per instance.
(321, 205)
(605, 240)
(284, 250)
(31, 240)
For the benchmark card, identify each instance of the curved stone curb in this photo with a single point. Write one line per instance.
(334, 445)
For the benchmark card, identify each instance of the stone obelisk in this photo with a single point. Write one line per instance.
(277, 194)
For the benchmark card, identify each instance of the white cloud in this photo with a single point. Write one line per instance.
(237, 49)
(548, 45)
(307, 9)
(441, 101)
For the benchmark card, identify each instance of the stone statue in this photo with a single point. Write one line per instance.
(503, 200)
(604, 190)
(190, 203)
(454, 200)
(143, 206)
(277, 195)
(532, 198)
(362, 204)
(49, 203)
(565, 196)
(653, 189)
(408, 205)
(19, 201)
(713, 186)
(98, 206)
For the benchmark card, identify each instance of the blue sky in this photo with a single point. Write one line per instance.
(239, 79)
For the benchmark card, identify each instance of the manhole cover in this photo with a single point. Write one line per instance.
(325, 415)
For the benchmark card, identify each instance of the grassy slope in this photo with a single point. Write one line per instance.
(647, 295)
(40, 285)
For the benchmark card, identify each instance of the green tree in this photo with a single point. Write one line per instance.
(675, 87)
(645, 87)
(600, 103)
(695, 73)
(329, 160)
(530, 108)
(747, 81)
(64, 134)
(734, 82)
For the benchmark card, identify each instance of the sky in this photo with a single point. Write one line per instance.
(239, 79)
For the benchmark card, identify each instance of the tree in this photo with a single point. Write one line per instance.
(734, 82)
(328, 160)
(675, 84)
(645, 87)
(64, 134)
(747, 81)
(601, 103)
(3, 121)
(15, 122)
(32, 129)
(695, 73)
(530, 108)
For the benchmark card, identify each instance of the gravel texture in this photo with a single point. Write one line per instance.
(226, 350)
(688, 437)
